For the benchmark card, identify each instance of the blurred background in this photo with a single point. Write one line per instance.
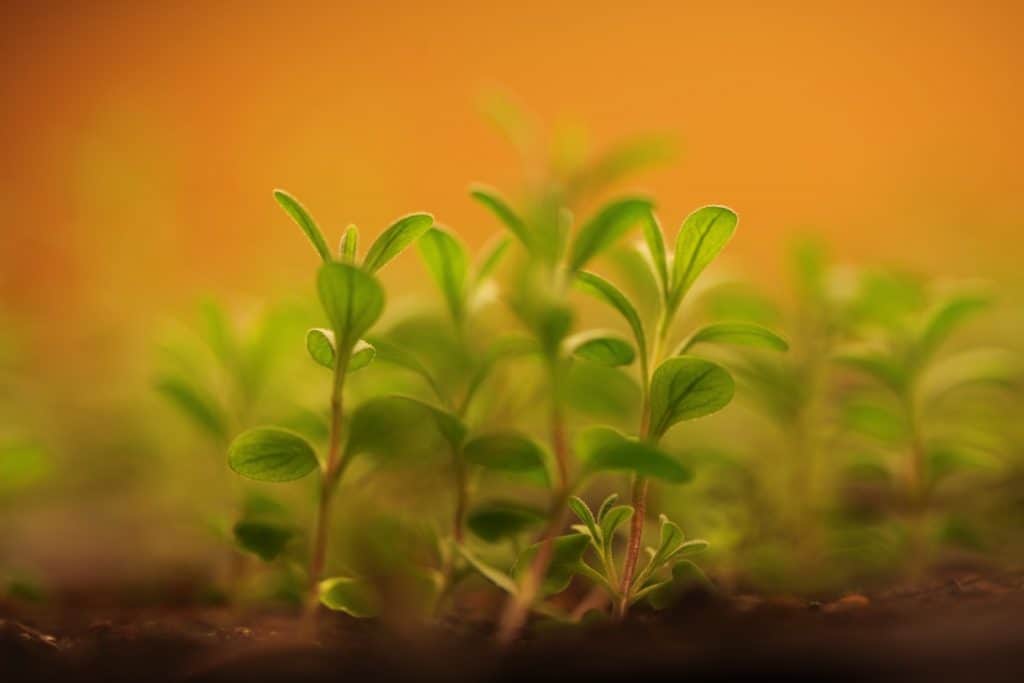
(142, 141)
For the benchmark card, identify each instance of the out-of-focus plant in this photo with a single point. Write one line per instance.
(353, 301)
(914, 405)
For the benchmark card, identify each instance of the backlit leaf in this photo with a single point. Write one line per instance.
(299, 214)
(603, 349)
(271, 454)
(684, 388)
(490, 198)
(397, 237)
(353, 301)
(704, 234)
(448, 264)
(604, 229)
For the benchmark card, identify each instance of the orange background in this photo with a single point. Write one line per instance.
(142, 139)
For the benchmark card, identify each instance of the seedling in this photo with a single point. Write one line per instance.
(352, 300)
(902, 338)
(681, 386)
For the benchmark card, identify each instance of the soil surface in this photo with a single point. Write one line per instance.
(968, 627)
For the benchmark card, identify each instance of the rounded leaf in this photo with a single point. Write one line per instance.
(271, 454)
(352, 299)
(684, 388)
(265, 539)
(497, 520)
(704, 234)
(508, 452)
(320, 344)
(605, 450)
(603, 349)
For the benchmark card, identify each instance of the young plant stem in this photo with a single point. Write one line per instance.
(517, 607)
(330, 475)
(640, 484)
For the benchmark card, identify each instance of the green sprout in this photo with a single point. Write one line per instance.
(352, 300)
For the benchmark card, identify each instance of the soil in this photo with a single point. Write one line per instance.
(965, 627)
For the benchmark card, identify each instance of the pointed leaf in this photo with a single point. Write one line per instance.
(497, 520)
(352, 596)
(392, 241)
(738, 333)
(616, 517)
(349, 245)
(941, 322)
(500, 208)
(704, 234)
(684, 388)
(604, 229)
(582, 511)
(655, 240)
(492, 574)
(491, 258)
(876, 364)
(611, 295)
(271, 454)
(200, 408)
(446, 260)
(299, 214)
(606, 505)
(353, 301)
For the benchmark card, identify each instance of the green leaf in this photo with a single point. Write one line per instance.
(603, 349)
(349, 245)
(613, 519)
(397, 355)
(611, 295)
(446, 260)
(941, 322)
(738, 333)
(264, 539)
(655, 240)
(601, 391)
(876, 364)
(355, 597)
(507, 452)
(390, 425)
(685, 576)
(271, 454)
(603, 449)
(299, 214)
(500, 208)
(704, 234)
(606, 505)
(995, 367)
(566, 556)
(495, 576)
(392, 241)
(604, 229)
(353, 301)
(684, 388)
(320, 344)
(491, 258)
(670, 540)
(200, 408)
(582, 511)
(497, 520)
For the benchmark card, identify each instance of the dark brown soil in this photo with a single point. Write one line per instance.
(967, 628)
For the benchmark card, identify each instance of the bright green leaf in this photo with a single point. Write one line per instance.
(684, 388)
(392, 241)
(299, 214)
(738, 333)
(320, 344)
(349, 245)
(271, 454)
(610, 223)
(655, 240)
(352, 299)
(448, 264)
(704, 234)
(491, 258)
(500, 208)
(617, 300)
